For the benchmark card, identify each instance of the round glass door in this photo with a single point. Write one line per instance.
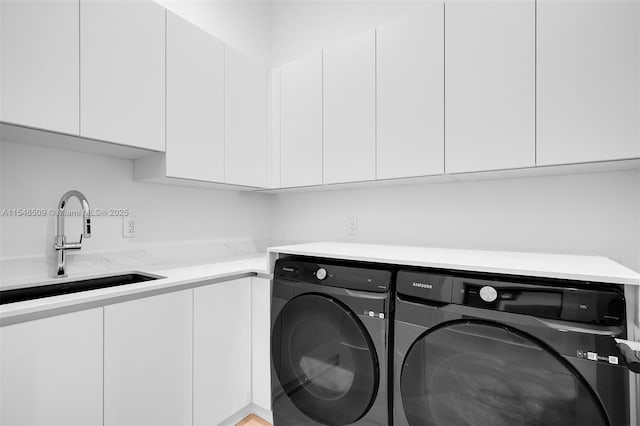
(476, 373)
(324, 359)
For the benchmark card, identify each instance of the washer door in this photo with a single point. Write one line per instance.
(324, 359)
(480, 373)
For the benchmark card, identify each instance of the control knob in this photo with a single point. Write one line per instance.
(488, 293)
(321, 274)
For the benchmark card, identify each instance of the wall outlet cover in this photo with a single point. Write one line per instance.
(352, 225)
(128, 227)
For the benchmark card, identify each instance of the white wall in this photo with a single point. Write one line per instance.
(36, 177)
(591, 214)
(243, 24)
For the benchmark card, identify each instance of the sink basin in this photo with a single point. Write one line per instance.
(66, 287)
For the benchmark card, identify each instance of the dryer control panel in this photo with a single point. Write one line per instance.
(587, 303)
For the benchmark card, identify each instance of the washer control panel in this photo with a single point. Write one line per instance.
(343, 274)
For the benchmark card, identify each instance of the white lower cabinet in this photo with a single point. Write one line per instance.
(191, 357)
(51, 371)
(148, 361)
(221, 350)
(261, 342)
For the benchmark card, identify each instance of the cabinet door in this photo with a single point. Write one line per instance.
(122, 72)
(261, 342)
(222, 350)
(410, 95)
(588, 81)
(301, 122)
(245, 120)
(148, 361)
(39, 67)
(51, 371)
(349, 123)
(489, 85)
(195, 102)
(274, 123)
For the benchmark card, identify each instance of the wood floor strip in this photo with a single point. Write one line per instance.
(253, 420)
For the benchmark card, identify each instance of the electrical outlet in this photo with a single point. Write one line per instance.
(352, 225)
(128, 227)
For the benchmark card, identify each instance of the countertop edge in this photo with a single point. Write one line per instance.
(611, 279)
(93, 298)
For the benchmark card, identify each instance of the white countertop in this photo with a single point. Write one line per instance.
(174, 277)
(582, 268)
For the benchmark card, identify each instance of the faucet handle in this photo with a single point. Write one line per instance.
(62, 244)
(73, 244)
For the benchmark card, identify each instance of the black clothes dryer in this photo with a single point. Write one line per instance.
(491, 350)
(329, 343)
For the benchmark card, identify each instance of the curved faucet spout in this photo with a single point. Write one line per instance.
(61, 243)
(86, 212)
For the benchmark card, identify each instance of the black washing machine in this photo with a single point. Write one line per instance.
(479, 349)
(329, 343)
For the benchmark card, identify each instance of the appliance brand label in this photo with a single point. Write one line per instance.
(422, 285)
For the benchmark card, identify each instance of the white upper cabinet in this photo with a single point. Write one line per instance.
(51, 371)
(122, 72)
(588, 81)
(349, 113)
(195, 102)
(489, 85)
(301, 122)
(222, 350)
(410, 95)
(39, 64)
(274, 123)
(148, 350)
(245, 120)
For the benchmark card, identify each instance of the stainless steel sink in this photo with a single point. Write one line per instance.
(73, 286)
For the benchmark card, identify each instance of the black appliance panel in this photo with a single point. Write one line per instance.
(572, 304)
(425, 286)
(334, 274)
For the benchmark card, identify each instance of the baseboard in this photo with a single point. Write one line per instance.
(244, 412)
(265, 414)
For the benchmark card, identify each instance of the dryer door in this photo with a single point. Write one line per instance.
(482, 373)
(324, 359)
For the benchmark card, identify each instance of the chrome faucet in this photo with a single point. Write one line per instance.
(61, 243)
